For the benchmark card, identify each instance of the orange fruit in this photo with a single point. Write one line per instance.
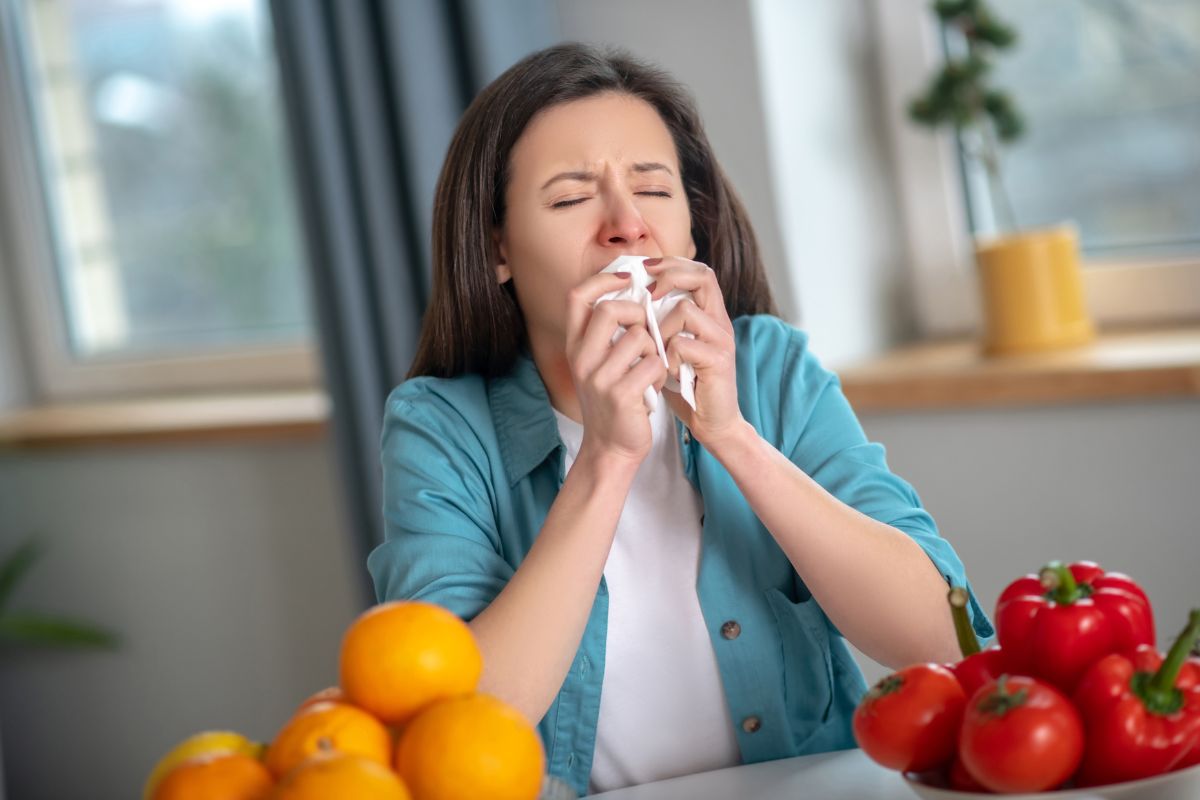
(337, 775)
(400, 656)
(328, 727)
(217, 776)
(332, 694)
(205, 743)
(471, 747)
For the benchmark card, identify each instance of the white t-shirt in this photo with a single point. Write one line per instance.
(662, 706)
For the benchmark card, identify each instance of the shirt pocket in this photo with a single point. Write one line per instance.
(807, 665)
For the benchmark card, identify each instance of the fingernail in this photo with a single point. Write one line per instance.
(652, 287)
(622, 274)
(652, 262)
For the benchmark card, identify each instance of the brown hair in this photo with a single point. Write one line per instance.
(473, 324)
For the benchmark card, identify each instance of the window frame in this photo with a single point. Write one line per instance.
(27, 225)
(933, 208)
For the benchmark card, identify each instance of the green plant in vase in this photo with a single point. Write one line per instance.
(961, 95)
(1030, 280)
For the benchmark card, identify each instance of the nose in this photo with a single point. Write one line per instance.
(623, 223)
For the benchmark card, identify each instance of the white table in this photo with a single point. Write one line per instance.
(846, 774)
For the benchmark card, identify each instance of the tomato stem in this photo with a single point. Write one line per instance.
(968, 642)
(1000, 701)
(886, 686)
(1059, 583)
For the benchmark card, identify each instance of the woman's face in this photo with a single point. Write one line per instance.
(589, 180)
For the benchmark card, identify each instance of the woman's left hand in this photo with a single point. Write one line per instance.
(712, 353)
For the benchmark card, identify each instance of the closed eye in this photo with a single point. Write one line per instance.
(578, 200)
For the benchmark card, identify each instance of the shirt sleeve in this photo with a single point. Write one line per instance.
(441, 542)
(832, 448)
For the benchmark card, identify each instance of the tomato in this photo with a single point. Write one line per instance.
(909, 720)
(1020, 734)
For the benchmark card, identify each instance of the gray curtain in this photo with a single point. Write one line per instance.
(373, 90)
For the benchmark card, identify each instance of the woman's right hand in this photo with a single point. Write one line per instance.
(610, 391)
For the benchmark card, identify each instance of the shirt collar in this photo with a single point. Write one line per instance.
(523, 417)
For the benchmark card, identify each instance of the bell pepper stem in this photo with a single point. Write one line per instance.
(1163, 682)
(968, 643)
(1059, 583)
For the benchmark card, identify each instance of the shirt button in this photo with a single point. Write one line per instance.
(751, 724)
(731, 629)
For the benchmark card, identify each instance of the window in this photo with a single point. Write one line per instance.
(1113, 144)
(163, 251)
(1111, 92)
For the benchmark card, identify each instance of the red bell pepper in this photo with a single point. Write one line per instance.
(1057, 624)
(1141, 712)
(977, 666)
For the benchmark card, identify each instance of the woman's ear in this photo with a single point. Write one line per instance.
(503, 273)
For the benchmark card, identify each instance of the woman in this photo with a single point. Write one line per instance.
(664, 592)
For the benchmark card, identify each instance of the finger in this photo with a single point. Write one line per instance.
(700, 355)
(687, 316)
(661, 382)
(581, 299)
(648, 372)
(700, 280)
(636, 343)
(606, 318)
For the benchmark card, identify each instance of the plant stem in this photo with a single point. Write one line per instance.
(1059, 583)
(991, 162)
(968, 642)
(1164, 679)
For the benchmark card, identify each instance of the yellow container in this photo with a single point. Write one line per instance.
(1032, 292)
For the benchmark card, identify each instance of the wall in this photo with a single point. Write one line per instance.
(225, 568)
(834, 191)
(14, 380)
(13, 383)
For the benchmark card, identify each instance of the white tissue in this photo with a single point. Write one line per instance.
(656, 312)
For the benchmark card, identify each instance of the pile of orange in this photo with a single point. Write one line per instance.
(404, 723)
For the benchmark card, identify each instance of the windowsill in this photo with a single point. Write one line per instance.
(266, 415)
(1120, 365)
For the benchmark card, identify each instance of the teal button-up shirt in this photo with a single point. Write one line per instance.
(472, 466)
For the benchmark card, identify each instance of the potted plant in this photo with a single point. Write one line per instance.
(1030, 281)
(22, 630)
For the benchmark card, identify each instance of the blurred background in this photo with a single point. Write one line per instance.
(214, 223)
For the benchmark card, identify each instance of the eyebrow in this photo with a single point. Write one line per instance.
(640, 167)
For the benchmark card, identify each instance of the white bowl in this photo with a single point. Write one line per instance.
(1183, 784)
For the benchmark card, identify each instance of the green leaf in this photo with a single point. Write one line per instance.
(16, 565)
(20, 629)
(949, 9)
(958, 94)
(994, 32)
(1009, 126)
